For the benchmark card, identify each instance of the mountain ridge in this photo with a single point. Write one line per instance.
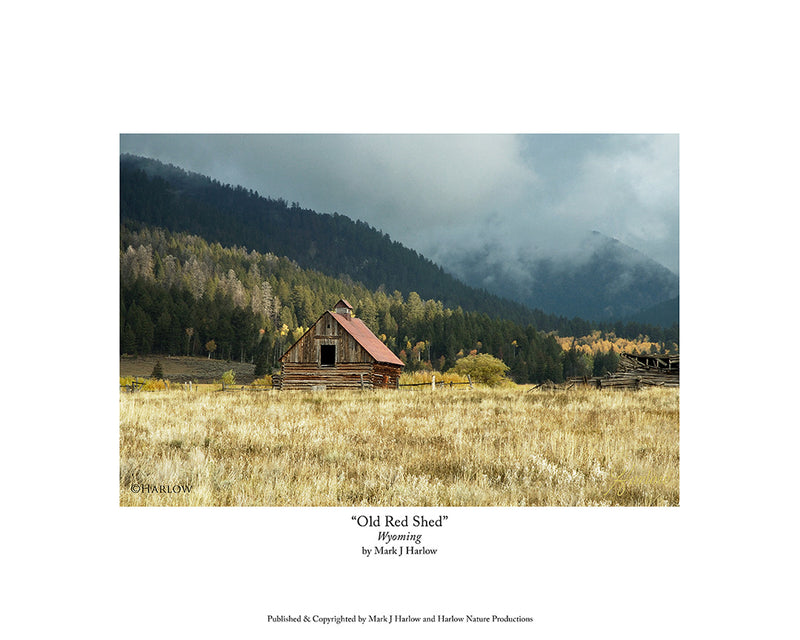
(603, 279)
(272, 225)
(186, 201)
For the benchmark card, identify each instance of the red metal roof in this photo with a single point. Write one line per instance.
(343, 302)
(366, 339)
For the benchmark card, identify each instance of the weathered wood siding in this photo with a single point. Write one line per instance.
(326, 331)
(635, 371)
(385, 376)
(301, 368)
(342, 376)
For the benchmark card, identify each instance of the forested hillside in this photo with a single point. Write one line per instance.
(169, 197)
(182, 295)
(166, 196)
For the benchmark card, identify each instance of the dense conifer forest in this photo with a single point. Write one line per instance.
(181, 295)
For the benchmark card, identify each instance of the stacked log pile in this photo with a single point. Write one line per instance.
(636, 371)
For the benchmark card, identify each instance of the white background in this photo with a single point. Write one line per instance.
(77, 75)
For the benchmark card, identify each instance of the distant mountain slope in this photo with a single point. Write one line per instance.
(158, 194)
(663, 314)
(604, 280)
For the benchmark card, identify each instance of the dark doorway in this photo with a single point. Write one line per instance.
(327, 355)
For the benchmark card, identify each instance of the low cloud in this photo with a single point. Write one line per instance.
(512, 198)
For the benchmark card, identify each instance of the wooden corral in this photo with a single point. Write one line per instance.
(635, 371)
(339, 352)
(666, 364)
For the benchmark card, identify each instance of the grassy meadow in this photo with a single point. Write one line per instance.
(407, 447)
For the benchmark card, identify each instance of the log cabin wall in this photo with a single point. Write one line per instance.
(342, 376)
(385, 376)
(343, 364)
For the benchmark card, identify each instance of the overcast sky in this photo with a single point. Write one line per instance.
(446, 194)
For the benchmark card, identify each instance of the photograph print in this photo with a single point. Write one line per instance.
(399, 320)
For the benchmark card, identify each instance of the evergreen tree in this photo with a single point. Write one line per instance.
(261, 363)
(128, 341)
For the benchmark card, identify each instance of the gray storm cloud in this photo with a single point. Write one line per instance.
(511, 197)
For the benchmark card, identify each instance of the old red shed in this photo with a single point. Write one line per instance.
(339, 352)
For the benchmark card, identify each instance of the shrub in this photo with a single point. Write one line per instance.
(482, 367)
(152, 384)
(265, 381)
(144, 384)
(229, 377)
(261, 364)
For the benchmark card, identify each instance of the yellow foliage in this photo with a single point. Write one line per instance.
(266, 381)
(152, 384)
(144, 384)
(596, 342)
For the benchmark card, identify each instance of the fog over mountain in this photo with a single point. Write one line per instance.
(499, 211)
(605, 280)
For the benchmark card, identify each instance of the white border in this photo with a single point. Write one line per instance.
(89, 72)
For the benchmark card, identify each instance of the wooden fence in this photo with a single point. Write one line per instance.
(609, 382)
(634, 372)
(246, 387)
(136, 386)
(433, 383)
(622, 381)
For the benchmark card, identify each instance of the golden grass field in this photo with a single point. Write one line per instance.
(407, 447)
